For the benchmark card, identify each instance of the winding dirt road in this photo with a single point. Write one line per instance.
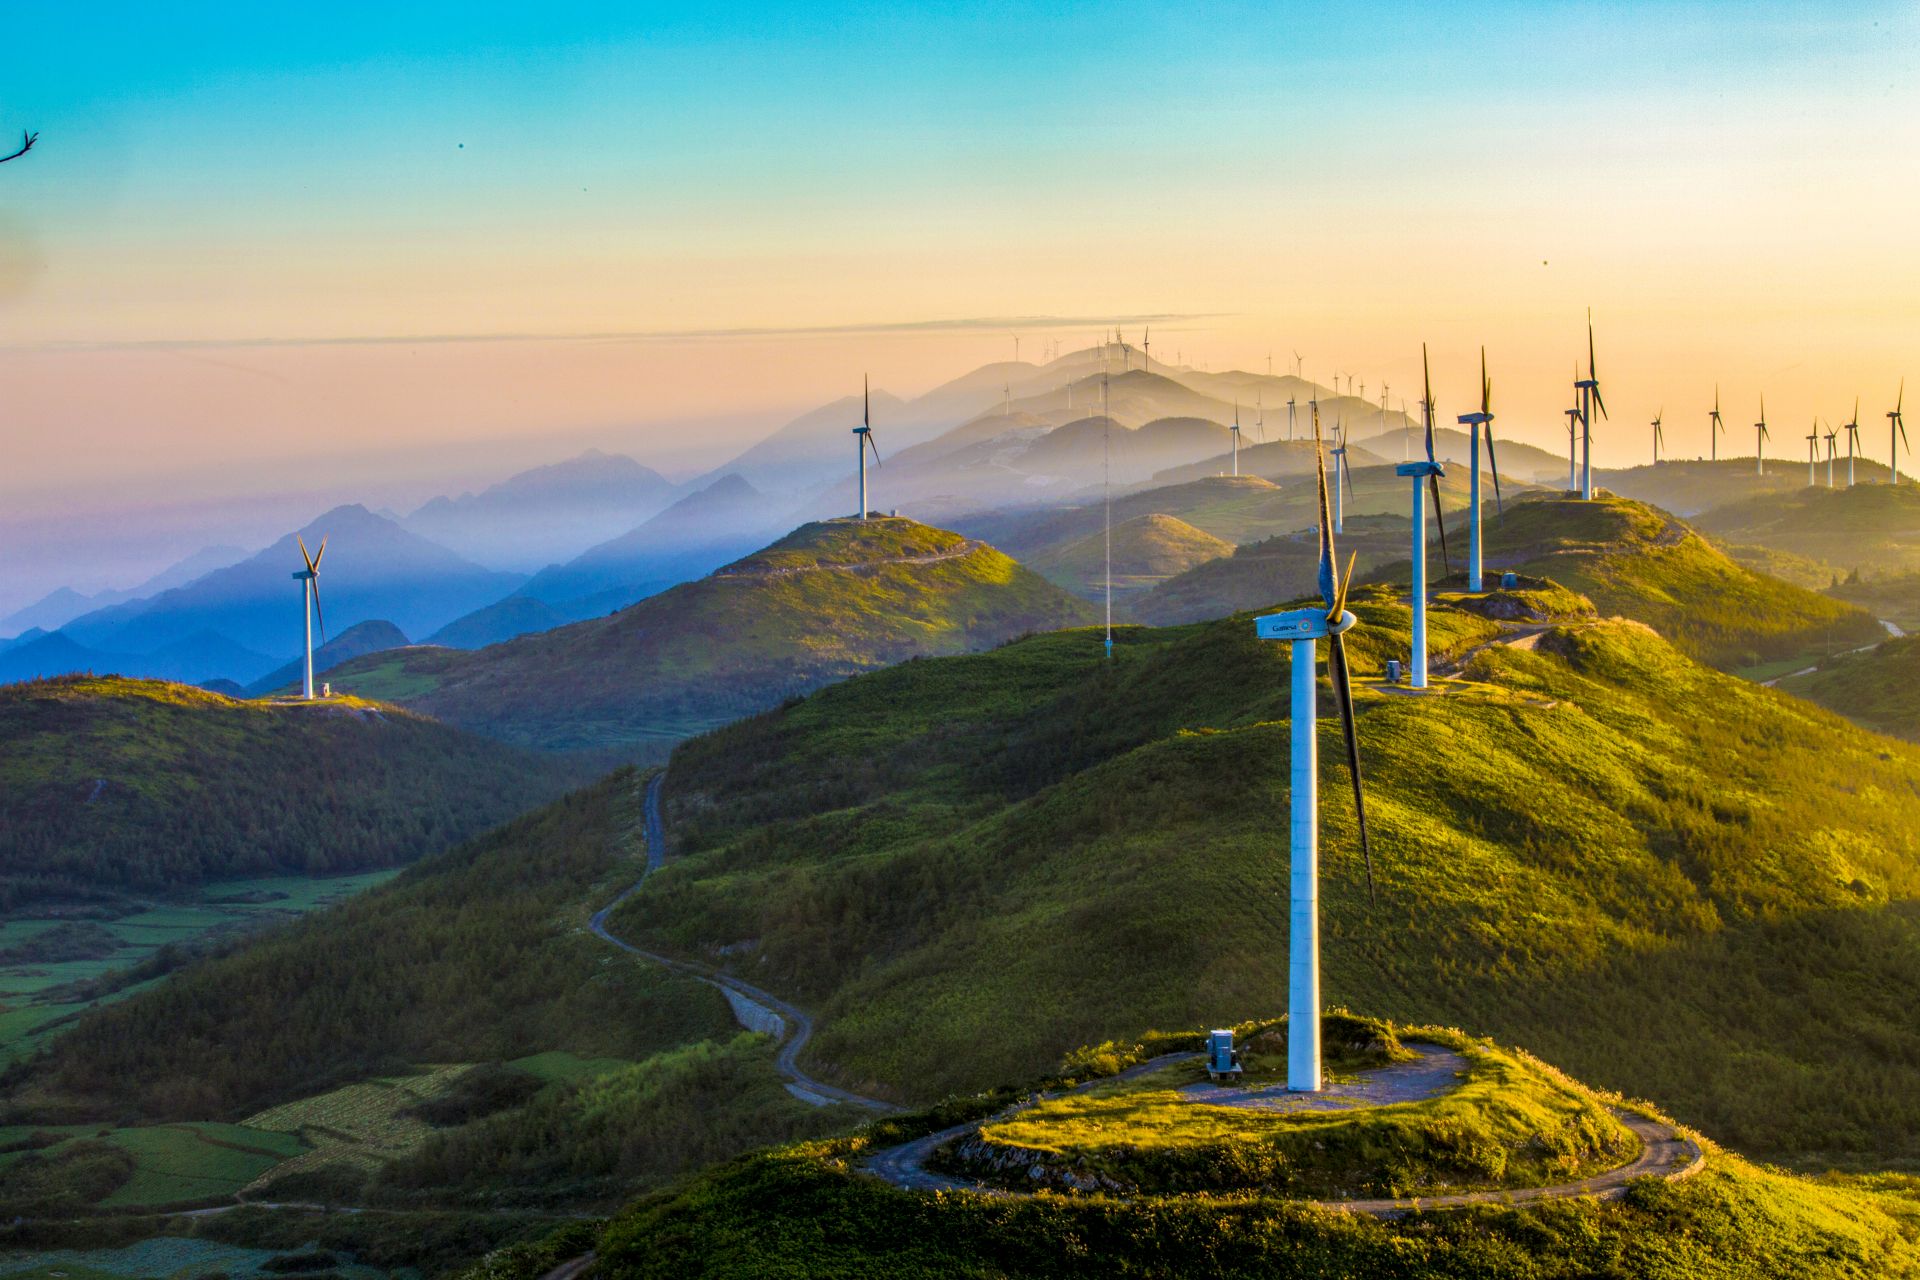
(756, 1010)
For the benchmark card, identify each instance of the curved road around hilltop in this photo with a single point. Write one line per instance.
(1664, 1153)
(757, 1010)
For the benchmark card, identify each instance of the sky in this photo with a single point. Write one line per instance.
(273, 256)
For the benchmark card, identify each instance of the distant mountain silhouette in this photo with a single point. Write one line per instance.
(193, 659)
(373, 569)
(548, 514)
(57, 608)
(693, 537)
(356, 641)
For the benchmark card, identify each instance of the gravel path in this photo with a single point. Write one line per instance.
(1665, 1152)
(1435, 1071)
(755, 1009)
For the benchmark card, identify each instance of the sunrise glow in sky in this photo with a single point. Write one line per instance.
(392, 250)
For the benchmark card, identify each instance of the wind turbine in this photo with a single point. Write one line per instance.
(1340, 468)
(1659, 437)
(1430, 471)
(1475, 423)
(1289, 419)
(1146, 349)
(1832, 435)
(1296, 364)
(1897, 429)
(1573, 449)
(309, 606)
(1760, 437)
(1590, 399)
(1813, 447)
(1853, 440)
(1303, 629)
(1236, 437)
(1715, 426)
(1260, 414)
(862, 441)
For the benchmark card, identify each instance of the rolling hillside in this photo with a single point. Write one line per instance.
(1146, 550)
(1641, 563)
(967, 867)
(1690, 486)
(1870, 529)
(111, 785)
(1592, 846)
(1877, 687)
(1283, 567)
(356, 641)
(823, 603)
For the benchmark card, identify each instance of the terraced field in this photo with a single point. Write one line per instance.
(363, 1125)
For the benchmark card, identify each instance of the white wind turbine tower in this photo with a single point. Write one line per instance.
(1303, 629)
(1236, 438)
(1289, 417)
(309, 606)
(862, 441)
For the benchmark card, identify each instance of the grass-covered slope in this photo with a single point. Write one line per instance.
(804, 1211)
(1146, 550)
(1873, 529)
(478, 954)
(1693, 485)
(1630, 559)
(1503, 1122)
(1641, 563)
(827, 601)
(1668, 880)
(111, 784)
(1258, 574)
(1878, 687)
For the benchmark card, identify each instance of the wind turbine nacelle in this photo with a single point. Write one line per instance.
(303, 575)
(1420, 469)
(1473, 419)
(1301, 624)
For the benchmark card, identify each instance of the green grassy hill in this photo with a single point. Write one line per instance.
(1630, 559)
(1871, 529)
(1595, 847)
(1693, 485)
(111, 785)
(1641, 563)
(809, 1210)
(1146, 550)
(829, 600)
(453, 1039)
(1279, 568)
(1894, 597)
(1878, 687)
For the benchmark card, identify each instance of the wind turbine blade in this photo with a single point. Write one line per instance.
(876, 448)
(1341, 678)
(1346, 469)
(303, 552)
(1326, 511)
(866, 402)
(320, 555)
(318, 611)
(1446, 561)
(1493, 463)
